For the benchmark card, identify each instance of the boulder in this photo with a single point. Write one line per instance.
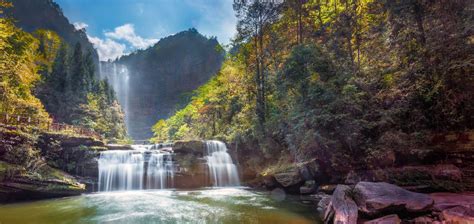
(389, 219)
(289, 177)
(423, 219)
(323, 202)
(376, 198)
(342, 208)
(458, 215)
(195, 147)
(444, 201)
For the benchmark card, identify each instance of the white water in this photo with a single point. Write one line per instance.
(222, 170)
(118, 76)
(135, 169)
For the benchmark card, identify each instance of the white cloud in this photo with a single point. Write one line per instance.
(127, 33)
(107, 49)
(80, 25)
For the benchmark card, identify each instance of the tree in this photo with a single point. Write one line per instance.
(255, 16)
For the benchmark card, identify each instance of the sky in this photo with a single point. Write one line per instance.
(118, 27)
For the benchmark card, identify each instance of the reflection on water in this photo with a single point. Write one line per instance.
(225, 205)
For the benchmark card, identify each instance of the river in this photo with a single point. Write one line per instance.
(212, 205)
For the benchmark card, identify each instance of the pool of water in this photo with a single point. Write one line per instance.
(224, 205)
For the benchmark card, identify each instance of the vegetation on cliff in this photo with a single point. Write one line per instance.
(350, 82)
(43, 78)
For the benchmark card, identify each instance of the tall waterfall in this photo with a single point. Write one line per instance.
(118, 76)
(222, 170)
(135, 169)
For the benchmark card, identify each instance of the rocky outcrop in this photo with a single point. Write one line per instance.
(39, 182)
(289, 177)
(387, 203)
(118, 147)
(375, 198)
(73, 154)
(342, 208)
(195, 147)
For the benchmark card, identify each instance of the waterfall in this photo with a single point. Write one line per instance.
(121, 170)
(135, 169)
(118, 76)
(222, 170)
(160, 171)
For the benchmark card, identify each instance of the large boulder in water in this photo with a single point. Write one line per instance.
(341, 208)
(376, 198)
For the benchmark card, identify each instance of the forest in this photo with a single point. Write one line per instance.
(352, 81)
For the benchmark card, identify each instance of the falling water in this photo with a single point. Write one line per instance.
(118, 76)
(160, 171)
(135, 169)
(222, 170)
(121, 170)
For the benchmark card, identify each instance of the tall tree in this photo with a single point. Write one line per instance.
(255, 17)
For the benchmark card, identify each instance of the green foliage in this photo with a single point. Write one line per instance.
(357, 71)
(18, 71)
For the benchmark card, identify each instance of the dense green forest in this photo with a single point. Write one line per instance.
(350, 81)
(44, 78)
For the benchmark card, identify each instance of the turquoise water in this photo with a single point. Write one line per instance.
(224, 205)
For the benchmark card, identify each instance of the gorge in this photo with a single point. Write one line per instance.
(243, 111)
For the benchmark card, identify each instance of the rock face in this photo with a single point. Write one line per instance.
(31, 15)
(376, 198)
(341, 209)
(72, 154)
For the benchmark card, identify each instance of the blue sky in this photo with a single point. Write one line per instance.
(118, 27)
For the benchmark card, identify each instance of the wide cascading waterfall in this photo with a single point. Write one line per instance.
(135, 169)
(121, 170)
(160, 171)
(222, 171)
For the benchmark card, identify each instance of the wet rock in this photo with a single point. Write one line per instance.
(389, 219)
(323, 202)
(118, 147)
(444, 201)
(422, 220)
(375, 198)
(195, 147)
(458, 215)
(341, 208)
(289, 177)
(308, 187)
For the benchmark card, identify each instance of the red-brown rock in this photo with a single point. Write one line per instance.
(342, 208)
(458, 215)
(444, 201)
(389, 219)
(375, 198)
